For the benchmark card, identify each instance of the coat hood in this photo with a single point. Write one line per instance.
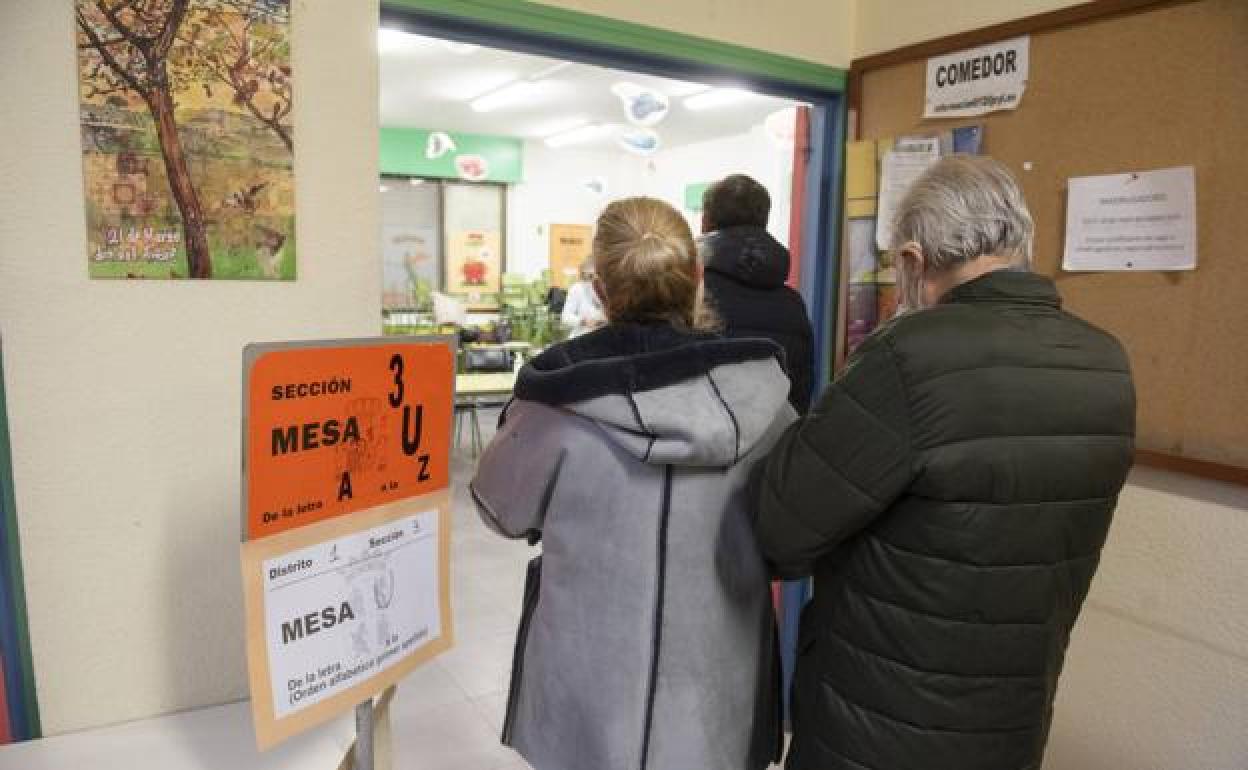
(663, 395)
(749, 254)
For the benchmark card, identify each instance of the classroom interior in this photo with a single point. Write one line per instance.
(450, 161)
(549, 142)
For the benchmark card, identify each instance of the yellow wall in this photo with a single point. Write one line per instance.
(818, 30)
(124, 397)
(881, 25)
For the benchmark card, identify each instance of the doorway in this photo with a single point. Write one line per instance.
(569, 37)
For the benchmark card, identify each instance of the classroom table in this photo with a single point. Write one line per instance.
(474, 390)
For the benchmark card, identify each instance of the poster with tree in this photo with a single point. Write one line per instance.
(187, 142)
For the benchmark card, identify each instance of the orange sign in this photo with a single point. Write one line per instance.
(331, 428)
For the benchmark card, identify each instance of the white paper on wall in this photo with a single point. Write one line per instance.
(905, 163)
(1136, 221)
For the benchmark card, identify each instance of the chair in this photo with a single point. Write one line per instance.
(479, 360)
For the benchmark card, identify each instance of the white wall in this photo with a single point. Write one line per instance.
(882, 25)
(554, 192)
(669, 171)
(816, 30)
(1157, 673)
(124, 396)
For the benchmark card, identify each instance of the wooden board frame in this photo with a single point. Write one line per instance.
(271, 730)
(1099, 10)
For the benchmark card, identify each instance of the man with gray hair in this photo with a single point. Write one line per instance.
(950, 493)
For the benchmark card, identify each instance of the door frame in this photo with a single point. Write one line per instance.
(558, 33)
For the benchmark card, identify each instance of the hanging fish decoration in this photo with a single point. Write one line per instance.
(642, 106)
(642, 141)
(439, 144)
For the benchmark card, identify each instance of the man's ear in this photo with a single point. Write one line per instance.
(912, 255)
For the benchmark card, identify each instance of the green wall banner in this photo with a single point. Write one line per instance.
(451, 155)
(693, 195)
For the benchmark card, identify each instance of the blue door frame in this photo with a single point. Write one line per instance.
(821, 218)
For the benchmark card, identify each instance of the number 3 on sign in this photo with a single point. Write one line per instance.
(411, 431)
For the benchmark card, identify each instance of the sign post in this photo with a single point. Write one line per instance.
(346, 525)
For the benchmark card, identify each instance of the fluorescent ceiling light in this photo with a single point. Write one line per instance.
(578, 135)
(384, 188)
(414, 181)
(680, 88)
(512, 93)
(462, 49)
(559, 125)
(717, 97)
(389, 40)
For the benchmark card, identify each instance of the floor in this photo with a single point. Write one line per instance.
(445, 716)
(449, 713)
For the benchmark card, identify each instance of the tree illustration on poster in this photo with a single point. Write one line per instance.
(187, 141)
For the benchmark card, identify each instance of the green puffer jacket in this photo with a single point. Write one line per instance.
(950, 493)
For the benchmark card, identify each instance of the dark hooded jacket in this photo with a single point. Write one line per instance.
(647, 636)
(745, 273)
(950, 493)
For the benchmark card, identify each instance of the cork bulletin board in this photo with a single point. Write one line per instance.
(1119, 86)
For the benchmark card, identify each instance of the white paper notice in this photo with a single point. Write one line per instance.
(902, 165)
(978, 81)
(346, 609)
(1141, 221)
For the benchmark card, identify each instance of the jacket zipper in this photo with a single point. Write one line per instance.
(656, 639)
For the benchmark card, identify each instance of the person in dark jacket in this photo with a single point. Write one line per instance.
(744, 279)
(950, 493)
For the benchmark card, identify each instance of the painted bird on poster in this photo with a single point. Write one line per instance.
(246, 197)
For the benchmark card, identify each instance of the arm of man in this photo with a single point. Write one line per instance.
(518, 471)
(838, 468)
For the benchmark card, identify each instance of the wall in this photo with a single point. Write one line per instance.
(752, 153)
(1157, 673)
(553, 191)
(124, 396)
(816, 30)
(882, 25)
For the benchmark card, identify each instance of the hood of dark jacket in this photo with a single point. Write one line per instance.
(664, 395)
(747, 253)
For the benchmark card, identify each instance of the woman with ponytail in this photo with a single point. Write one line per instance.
(646, 638)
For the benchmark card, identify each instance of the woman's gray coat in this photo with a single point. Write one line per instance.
(647, 636)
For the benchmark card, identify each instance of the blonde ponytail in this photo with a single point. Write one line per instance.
(647, 264)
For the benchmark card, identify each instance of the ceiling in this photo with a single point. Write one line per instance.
(429, 83)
